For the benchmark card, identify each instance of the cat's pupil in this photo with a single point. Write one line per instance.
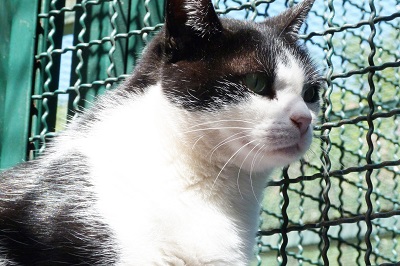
(257, 82)
(310, 93)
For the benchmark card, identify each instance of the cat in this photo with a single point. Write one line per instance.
(170, 167)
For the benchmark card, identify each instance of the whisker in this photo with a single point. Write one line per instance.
(251, 171)
(259, 161)
(227, 140)
(198, 139)
(240, 169)
(318, 136)
(255, 156)
(307, 155)
(215, 128)
(223, 167)
(322, 162)
(223, 120)
(326, 154)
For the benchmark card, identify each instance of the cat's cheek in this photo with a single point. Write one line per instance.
(305, 141)
(302, 146)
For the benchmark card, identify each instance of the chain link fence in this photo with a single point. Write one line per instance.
(339, 205)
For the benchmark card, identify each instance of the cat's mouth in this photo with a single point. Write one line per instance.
(290, 150)
(294, 149)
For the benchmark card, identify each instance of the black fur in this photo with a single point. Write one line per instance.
(47, 214)
(204, 70)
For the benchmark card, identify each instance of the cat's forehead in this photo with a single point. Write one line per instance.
(210, 76)
(259, 47)
(290, 74)
(248, 46)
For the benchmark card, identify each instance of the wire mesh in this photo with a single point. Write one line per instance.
(339, 205)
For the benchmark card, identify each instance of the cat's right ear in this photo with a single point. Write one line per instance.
(290, 21)
(189, 25)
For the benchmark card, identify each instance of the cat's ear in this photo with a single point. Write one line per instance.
(290, 21)
(190, 24)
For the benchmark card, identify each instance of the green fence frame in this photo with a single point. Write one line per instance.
(356, 123)
(18, 19)
(28, 108)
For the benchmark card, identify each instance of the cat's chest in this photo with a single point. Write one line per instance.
(172, 224)
(153, 216)
(143, 182)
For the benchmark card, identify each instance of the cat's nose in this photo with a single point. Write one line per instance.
(302, 122)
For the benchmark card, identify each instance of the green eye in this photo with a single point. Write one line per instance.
(310, 93)
(257, 82)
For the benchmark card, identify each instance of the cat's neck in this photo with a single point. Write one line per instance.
(236, 191)
(173, 169)
(165, 139)
(216, 179)
(229, 190)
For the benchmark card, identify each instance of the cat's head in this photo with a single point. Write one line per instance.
(250, 90)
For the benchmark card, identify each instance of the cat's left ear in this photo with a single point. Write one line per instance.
(189, 24)
(290, 21)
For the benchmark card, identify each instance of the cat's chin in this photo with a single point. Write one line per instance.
(289, 151)
(289, 154)
(269, 159)
(279, 156)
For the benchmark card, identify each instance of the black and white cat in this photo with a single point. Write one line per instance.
(169, 168)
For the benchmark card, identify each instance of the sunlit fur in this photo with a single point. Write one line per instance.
(170, 168)
(191, 175)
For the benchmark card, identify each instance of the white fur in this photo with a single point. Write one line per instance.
(183, 188)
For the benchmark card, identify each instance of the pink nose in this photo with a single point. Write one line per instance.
(302, 122)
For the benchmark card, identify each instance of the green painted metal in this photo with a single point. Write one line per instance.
(49, 37)
(345, 193)
(143, 14)
(116, 55)
(16, 77)
(5, 32)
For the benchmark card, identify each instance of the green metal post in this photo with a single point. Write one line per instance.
(5, 21)
(142, 14)
(20, 17)
(113, 57)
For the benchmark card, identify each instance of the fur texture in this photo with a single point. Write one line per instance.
(169, 169)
